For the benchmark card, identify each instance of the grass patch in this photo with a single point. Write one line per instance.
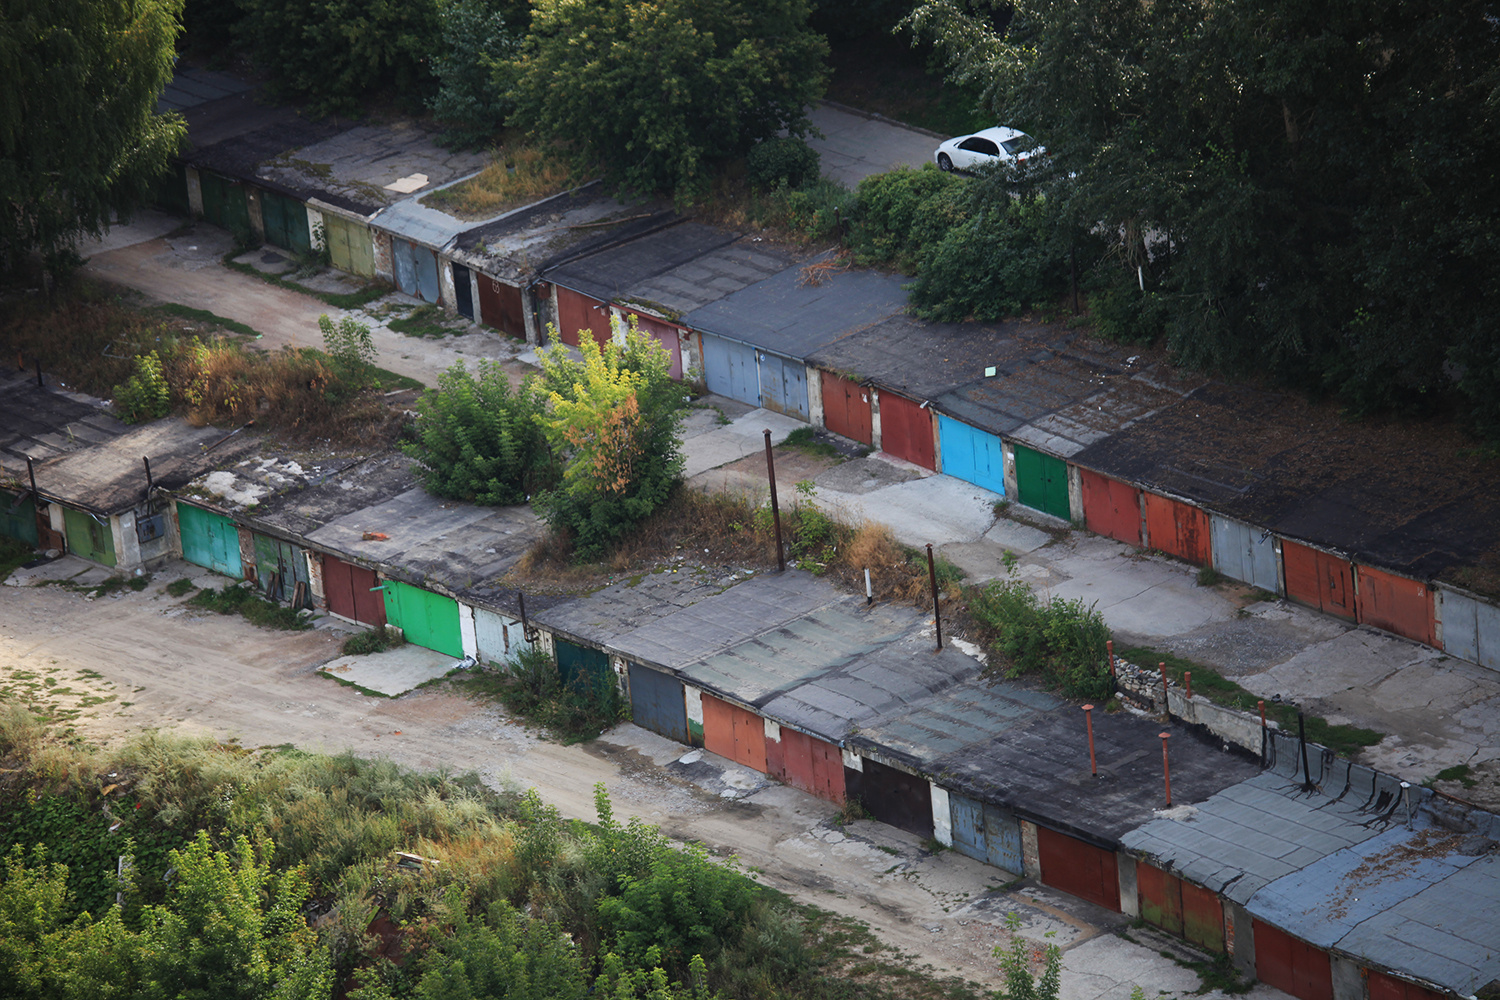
(234, 599)
(204, 316)
(423, 321)
(389, 381)
(1344, 740)
(178, 588)
(531, 686)
(338, 300)
(807, 441)
(1209, 577)
(1459, 773)
(13, 554)
(520, 174)
(375, 640)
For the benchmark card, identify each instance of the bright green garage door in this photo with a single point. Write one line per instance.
(1042, 482)
(89, 537)
(425, 618)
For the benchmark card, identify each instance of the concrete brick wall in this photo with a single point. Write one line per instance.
(1144, 686)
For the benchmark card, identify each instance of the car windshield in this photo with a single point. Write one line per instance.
(1019, 144)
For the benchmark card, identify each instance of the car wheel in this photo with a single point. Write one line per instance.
(944, 163)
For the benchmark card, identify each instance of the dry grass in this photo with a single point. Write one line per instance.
(520, 174)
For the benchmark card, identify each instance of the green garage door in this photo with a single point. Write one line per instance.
(1042, 482)
(286, 222)
(349, 246)
(581, 667)
(89, 537)
(425, 618)
(279, 566)
(209, 540)
(18, 518)
(224, 203)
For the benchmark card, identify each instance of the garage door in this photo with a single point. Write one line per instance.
(1178, 529)
(349, 245)
(1319, 579)
(279, 567)
(89, 536)
(1180, 907)
(463, 292)
(665, 334)
(209, 540)
(656, 703)
(1293, 966)
(1111, 508)
(498, 638)
(170, 190)
(425, 618)
(416, 269)
(1383, 987)
(1073, 866)
(1042, 482)
(729, 369)
(846, 407)
(18, 518)
(224, 203)
(577, 312)
(1471, 629)
(1244, 553)
(734, 732)
(973, 455)
(1395, 603)
(808, 763)
(891, 796)
(350, 591)
(285, 221)
(906, 431)
(986, 832)
(582, 668)
(500, 306)
(783, 385)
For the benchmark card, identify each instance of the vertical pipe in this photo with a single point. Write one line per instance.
(1166, 768)
(525, 628)
(1262, 706)
(31, 474)
(39, 374)
(1109, 645)
(937, 618)
(1166, 704)
(1406, 800)
(869, 591)
(1307, 782)
(1187, 682)
(1088, 719)
(775, 509)
(149, 484)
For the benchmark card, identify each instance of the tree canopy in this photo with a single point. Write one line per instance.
(80, 138)
(1308, 189)
(660, 91)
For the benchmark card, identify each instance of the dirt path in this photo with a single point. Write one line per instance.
(143, 660)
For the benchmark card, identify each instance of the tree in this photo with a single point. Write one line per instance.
(80, 140)
(1307, 188)
(474, 68)
(613, 419)
(661, 91)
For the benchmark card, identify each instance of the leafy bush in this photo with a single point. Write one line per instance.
(903, 212)
(784, 160)
(473, 68)
(1063, 642)
(530, 686)
(478, 440)
(998, 263)
(1121, 311)
(818, 210)
(146, 396)
(375, 640)
(347, 344)
(234, 599)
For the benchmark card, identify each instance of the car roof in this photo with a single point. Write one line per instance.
(998, 134)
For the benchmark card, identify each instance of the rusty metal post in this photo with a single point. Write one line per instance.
(1307, 782)
(1166, 703)
(775, 508)
(1088, 719)
(1187, 683)
(521, 601)
(1166, 768)
(937, 618)
(1109, 644)
(1262, 706)
(39, 374)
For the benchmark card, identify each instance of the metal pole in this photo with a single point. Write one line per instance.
(31, 473)
(1262, 706)
(937, 618)
(149, 484)
(1166, 768)
(775, 509)
(1166, 704)
(521, 601)
(869, 591)
(1110, 645)
(1088, 718)
(1187, 682)
(1307, 782)
(39, 373)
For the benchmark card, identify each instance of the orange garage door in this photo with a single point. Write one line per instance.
(1111, 508)
(1319, 579)
(734, 732)
(1178, 529)
(1084, 870)
(1395, 604)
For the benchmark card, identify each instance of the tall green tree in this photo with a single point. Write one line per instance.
(1307, 187)
(80, 139)
(661, 91)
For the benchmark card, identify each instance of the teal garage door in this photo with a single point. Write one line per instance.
(280, 566)
(425, 618)
(582, 668)
(1042, 482)
(209, 540)
(973, 455)
(18, 518)
(286, 222)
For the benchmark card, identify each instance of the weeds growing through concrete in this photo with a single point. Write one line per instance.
(234, 599)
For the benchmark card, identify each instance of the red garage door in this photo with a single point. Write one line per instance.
(733, 732)
(665, 334)
(1111, 508)
(349, 591)
(1180, 907)
(1084, 870)
(1291, 965)
(846, 407)
(808, 763)
(906, 431)
(577, 312)
(1395, 604)
(1383, 987)
(1324, 581)
(1178, 529)
(500, 306)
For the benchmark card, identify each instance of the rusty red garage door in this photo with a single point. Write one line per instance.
(1084, 870)
(500, 306)
(846, 407)
(808, 763)
(1383, 987)
(1396, 604)
(906, 431)
(577, 312)
(1317, 578)
(734, 732)
(1178, 529)
(1111, 508)
(1293, 966)
(349, 589)
(1180, 907)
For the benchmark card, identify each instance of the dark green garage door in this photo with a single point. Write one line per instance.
(286, 222)
(224, 203)
(582, 668)
(18, 518)
(425, 618)
(89, 536)
(1042, 482)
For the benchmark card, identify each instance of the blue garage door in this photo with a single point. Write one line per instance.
(416, 269)
(657, 704)
(209, 540)
(986, 833)
(729, 369)
(973, 455)
(1244, 553)
(783, 385)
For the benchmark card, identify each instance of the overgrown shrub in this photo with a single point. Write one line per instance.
(1062, 642)
(1121, 311)
(473, 67)
(902, 213)
(146, 396)
(818, 211)
(781, 161)
(1000, 262)
(530, 686)
(349, 347)
(234, 599)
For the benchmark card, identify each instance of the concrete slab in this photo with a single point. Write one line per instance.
(933, 509)
(1135, 592)
(64, 568)
(744, 435)
(393, 672)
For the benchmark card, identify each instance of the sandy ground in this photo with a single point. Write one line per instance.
(133, 661)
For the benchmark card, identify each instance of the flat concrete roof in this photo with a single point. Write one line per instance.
(708, 277)
(43, 422)
(615, 272)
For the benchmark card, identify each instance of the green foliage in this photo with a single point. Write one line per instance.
(530, 686)
(1018, 963)
(146, 396)
(233, 599)
(613, 418)
(334, 53)
(179, 587)
(781, 160)
(347, 343)
(661, 92)
(903, 212)
(80, 139)
(1063, 642)
(478, 440)
(375, 640)
(1000, 262)
(816, 211)
(474, 70)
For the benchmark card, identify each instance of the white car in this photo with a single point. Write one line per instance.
(982, 149)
